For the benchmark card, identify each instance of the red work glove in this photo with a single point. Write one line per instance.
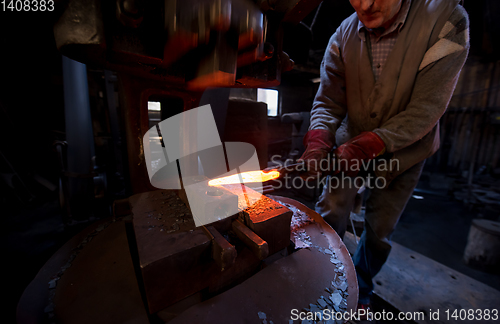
(318, 143)
(362, 148)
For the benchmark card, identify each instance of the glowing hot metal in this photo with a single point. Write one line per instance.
(246, 177)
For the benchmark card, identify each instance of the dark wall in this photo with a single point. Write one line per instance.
(31, 99)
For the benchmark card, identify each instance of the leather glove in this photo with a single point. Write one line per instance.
(318, 143)
(362, 148)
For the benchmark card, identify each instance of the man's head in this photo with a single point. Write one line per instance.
(376, 14)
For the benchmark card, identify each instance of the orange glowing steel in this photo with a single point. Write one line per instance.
(246, 177)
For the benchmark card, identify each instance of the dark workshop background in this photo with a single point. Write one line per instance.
(460, 182)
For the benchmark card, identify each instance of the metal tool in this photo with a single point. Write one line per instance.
(258, 175)
(289, 168)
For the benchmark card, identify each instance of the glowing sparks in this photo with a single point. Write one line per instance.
(246, 177)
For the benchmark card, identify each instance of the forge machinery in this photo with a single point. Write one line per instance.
(149, 262)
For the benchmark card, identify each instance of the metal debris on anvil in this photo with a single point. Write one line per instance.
(334, 260)
(337, 298)
(302, 240)
(322, 302)
(263, 318)
(342, 285)
(335, 301)
(53, 283)
(173, 215)
(250, 201)
(299, 218)
(260, 205)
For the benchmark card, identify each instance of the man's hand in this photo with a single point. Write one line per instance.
(318, 143)
(350, 156)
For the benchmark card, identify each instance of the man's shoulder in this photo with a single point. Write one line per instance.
(456, 28)
(347, 28)
(459, 15)
(350, 23)
(352, 19)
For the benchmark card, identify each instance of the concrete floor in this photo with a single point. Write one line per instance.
(435, 226)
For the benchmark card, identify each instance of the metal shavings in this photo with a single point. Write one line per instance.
(256, 204)
(336, 298)
(52, 283)
(315, 309)
(334, 260)
(302, 240)
(299, 218)
(322, 302)
(342, 285)
(319, 315)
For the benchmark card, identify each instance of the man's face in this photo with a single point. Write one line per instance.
(376, 13)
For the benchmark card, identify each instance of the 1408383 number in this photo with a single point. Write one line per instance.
(27, 5)
(472, 314)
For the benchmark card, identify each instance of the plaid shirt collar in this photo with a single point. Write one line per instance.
(398, 23)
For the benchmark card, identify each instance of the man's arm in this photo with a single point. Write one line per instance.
(329, 107)
(434, 86)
